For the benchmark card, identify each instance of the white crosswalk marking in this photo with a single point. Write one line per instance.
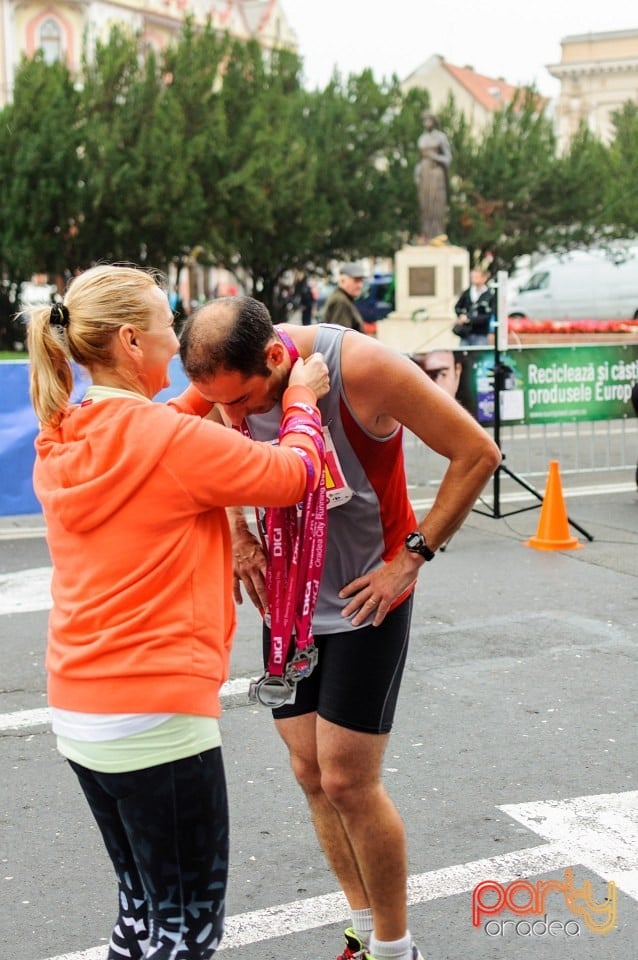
(23, 719)
(25, 591)
(601, 831)
(571, 837)
(597, 833)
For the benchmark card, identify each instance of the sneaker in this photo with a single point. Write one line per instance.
(354, 947)
(416, 954)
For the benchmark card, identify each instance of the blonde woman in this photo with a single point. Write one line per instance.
(134, 496)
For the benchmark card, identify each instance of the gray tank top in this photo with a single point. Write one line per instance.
(365, 477)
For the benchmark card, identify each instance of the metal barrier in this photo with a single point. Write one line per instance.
(592, 450)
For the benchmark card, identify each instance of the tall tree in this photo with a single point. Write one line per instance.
(267, 180)
(577, 193)
(196, 137)
(620, 183)
(350, 129)
(140, 201)
(40, 171)
(500, 204)
(212, 150)
(110, 126)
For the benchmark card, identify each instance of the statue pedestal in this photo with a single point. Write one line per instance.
(429, 281)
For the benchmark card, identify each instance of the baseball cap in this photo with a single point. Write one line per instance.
(354, 270)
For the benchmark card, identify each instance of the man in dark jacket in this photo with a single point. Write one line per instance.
(474, 308)
(340, 307)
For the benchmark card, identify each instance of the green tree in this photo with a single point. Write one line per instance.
(620, 182)
(266, 183)
(578, 193)
(196, 135)
(112, 83)
(39, 171)
(504, 180)
(140, 201)
(356, 131)
(213, 151)
(513, 193)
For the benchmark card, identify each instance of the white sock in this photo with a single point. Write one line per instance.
(362, 924)
(392, 949)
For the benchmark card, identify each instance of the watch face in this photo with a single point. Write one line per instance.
(416, 543)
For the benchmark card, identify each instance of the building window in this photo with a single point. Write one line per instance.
(50, 36)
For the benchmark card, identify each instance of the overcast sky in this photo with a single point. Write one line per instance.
(513, 39)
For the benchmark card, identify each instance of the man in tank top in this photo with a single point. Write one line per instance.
(337, 728)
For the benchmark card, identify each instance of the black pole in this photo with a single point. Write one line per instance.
(499, 378)
(497, 409)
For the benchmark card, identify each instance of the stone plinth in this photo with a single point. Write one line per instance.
(429, 281)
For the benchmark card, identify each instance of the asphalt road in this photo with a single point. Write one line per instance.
(520, 693)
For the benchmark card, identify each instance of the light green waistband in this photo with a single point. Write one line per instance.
(182, 736)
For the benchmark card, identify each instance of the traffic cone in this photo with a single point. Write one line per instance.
(553, 525)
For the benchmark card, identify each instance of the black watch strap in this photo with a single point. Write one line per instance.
(415, 542)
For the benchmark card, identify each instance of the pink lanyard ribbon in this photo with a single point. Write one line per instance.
(296, 550)
(295, 541)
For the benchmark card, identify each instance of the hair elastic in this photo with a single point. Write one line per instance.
(59, 315)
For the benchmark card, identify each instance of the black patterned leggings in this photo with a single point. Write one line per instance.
(166, 831)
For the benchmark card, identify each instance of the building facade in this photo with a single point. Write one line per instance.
(598, 72)
(475, 95)
(60, 27)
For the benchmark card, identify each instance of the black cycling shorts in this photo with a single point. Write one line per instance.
(356, 681)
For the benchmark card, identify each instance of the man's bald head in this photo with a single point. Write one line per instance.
(230, 333)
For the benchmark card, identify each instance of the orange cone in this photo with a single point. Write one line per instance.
(553, 525)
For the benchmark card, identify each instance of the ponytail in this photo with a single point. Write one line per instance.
(51, 376)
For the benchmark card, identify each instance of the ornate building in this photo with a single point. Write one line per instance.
(58, 27)
(475, 95)
(598, 72)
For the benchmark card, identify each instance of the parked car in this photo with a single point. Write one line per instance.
(376, 300)
(594, 284)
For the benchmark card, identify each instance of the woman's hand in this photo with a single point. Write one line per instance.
(311, 373)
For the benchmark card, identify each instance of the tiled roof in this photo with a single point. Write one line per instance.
(490, 93)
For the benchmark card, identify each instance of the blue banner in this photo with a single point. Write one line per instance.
(19, 427)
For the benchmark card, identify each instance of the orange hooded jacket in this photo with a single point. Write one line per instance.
(133, 494)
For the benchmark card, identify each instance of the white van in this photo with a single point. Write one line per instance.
(592, 284)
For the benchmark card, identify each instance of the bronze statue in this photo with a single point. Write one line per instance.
(431, 177)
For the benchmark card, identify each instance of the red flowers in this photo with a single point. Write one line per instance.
(525, 325)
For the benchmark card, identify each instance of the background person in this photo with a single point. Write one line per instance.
(303, 298)
(340, 307)
(475, 309)
(134, 496)
(337, 730)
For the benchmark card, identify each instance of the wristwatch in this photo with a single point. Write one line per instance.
(415, 543)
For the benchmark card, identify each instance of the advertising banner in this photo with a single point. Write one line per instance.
(550, 384)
